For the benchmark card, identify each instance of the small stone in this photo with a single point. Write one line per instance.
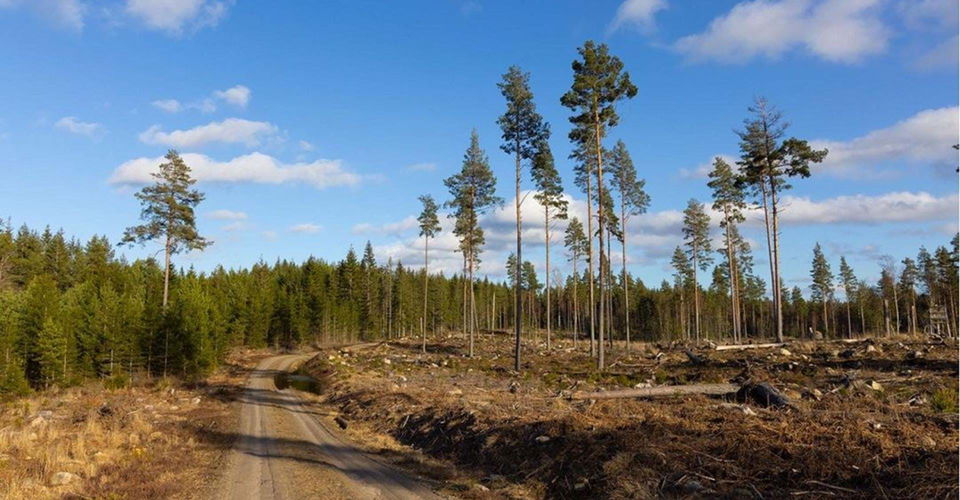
(876, 426)
(62, 478)
(543, 439)
(195, 401)
(480, 487)
(929, 442)
(870, 349)
(581, 485)
(873, 384)
(746, 410)
(386, 361)
(784, 352)
(642, 385)
(455, 392)
(692, 486)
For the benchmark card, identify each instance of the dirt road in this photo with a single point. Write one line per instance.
(287, 450)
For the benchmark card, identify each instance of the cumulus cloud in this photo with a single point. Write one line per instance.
(229, 131)
(862, 209)
(224, 214)
(392, 228)
(176, 16)
(238, 95)
(253, 167)
(925, 137)
(74, 126)
(305, 228)
(168, 105)
(843, 31)
(637, 13)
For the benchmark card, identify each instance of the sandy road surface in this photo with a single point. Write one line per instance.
(286, 450)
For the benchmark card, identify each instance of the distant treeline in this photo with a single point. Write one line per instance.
(71, 311)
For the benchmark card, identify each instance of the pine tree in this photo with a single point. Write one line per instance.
(634, 200)
(848, 280)
(728, 199)
(472, 191)
(696, 235)
(683, 274)
(766, 163)
(908, 281)
(821, 283)
(429, 228)
(523, 129)
(168, 213)
(599, 82)
(577, 244)
(550, 196)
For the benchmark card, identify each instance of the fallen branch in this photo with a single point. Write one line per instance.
(660, 391)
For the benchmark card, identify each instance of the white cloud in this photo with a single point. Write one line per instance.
(637, 13)
(174, 16)
(393, 228)
(422, 167)
(925, 137)
(863, 209)
(230, 131)
(306, 228)
(238, 95)
(234, 226)
(67, 14)
(835, 30)
(224, 214)
(306, 146)
(253, 167)
(74, 126)
(168, 105)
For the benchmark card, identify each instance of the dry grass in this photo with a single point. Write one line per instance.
(519, 437)
(154, 440)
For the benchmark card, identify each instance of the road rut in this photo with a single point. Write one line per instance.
(285, 450)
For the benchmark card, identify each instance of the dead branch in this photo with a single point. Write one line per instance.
(660, 391)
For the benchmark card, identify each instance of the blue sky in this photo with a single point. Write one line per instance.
(314, 126)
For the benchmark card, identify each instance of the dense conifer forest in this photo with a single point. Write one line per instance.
(72, 310)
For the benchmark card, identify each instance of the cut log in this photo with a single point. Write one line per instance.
(695, 358)
(660, 391)
(735, 347)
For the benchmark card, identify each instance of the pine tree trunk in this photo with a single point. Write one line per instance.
(473, 306)
(546, 230)
(732, 275)
(896, 308)
(623, 264)
(778, 290)
(849, 322)
(518, 315)
(599, 155)
(426, 277)
(576, 303)
(591, 307)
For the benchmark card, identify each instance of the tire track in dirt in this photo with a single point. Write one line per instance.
(285, 450)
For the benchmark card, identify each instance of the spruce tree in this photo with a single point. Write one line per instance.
(766, 164)
(523, 130)
(696, 235)
(429, 228)
(908, 281)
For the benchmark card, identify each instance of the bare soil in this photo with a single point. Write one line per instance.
(874, 419)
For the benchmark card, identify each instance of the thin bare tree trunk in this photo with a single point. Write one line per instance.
(546, 230)
(423, 321)
(623, 264)
(518, 314)
(590, 264)
(599, 155)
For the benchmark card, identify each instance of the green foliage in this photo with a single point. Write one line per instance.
(944, 400)
(821, 286)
